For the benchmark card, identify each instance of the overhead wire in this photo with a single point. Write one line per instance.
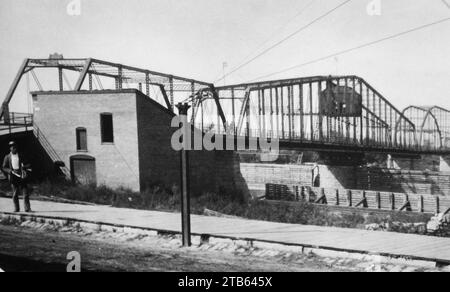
(285, 39)
(353, 48)
(272, 35)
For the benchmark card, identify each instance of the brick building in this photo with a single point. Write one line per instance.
(121, 138)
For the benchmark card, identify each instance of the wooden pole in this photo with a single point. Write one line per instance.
(184, 170)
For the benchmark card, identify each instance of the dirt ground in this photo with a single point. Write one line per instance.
(44, 246)
(27, 249)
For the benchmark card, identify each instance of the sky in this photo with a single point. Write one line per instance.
(194, 38)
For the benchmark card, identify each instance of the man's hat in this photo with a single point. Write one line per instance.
(12, 143)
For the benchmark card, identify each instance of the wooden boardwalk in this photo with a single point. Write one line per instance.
(339, 239)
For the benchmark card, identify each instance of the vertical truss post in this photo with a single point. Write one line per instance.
(289, 112)
(119, 78)
(339, 118)
(247, 113)
(391, 123)
(374, 136)
(218, 122)
(380, 131)
(171, 96)
(320, 114)
(194, 103)
(277, 111)
(311, 118)
(60, 79)
(263, 105)
(233, 109)
(368, 124)
(331, 118)
(329, 90)
(282, 112)
(361, 121)
(147, 84)
(271, 112)
(202, 115)
(140, 86)
(355, 139)
(386, 118)
(90, 81)
(327, 116)
(347, 119)
(406, 128)
(259, 112)
(301, 109)
(292, 111)
(395, 135)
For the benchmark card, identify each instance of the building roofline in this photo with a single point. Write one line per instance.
(102, 91)
(105, 91)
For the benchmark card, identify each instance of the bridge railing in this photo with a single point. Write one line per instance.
(343, 110)
(16, 121)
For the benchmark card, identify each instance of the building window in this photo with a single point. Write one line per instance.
(106, 125)
(81, 139)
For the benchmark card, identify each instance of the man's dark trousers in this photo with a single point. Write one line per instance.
(18, 187)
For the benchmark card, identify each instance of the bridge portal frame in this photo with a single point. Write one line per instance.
(168, 84)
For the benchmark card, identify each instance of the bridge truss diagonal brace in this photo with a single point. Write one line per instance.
(5, 105)
(83, 74)
(165, 96)
(243, 110)
(219, 107)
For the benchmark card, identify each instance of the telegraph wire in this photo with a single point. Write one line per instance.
(354, 48)
(272, 35)
(285, 39)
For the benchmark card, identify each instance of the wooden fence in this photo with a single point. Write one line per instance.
(431, 204)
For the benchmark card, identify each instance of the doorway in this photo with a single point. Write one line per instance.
(82, 169)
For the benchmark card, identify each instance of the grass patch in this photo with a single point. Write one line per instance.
(164, 199)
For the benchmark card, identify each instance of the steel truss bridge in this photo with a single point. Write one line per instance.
(336, 113)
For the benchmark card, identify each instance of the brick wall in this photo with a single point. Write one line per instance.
(158, 162)
(58, 114)
(346, 177)
(210, 171)
(141, 154)
(257, 175)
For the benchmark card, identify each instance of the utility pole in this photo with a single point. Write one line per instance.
(184, 170)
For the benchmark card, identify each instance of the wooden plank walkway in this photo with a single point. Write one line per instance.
(341, 239)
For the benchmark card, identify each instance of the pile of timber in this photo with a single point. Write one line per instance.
(431, 204)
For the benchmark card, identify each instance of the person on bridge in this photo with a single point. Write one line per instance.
(16, 169)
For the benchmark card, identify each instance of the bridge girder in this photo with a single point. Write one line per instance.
(377, 112)
(321, 109)
(433, 121)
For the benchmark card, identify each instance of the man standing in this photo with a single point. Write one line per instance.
(14, 166)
